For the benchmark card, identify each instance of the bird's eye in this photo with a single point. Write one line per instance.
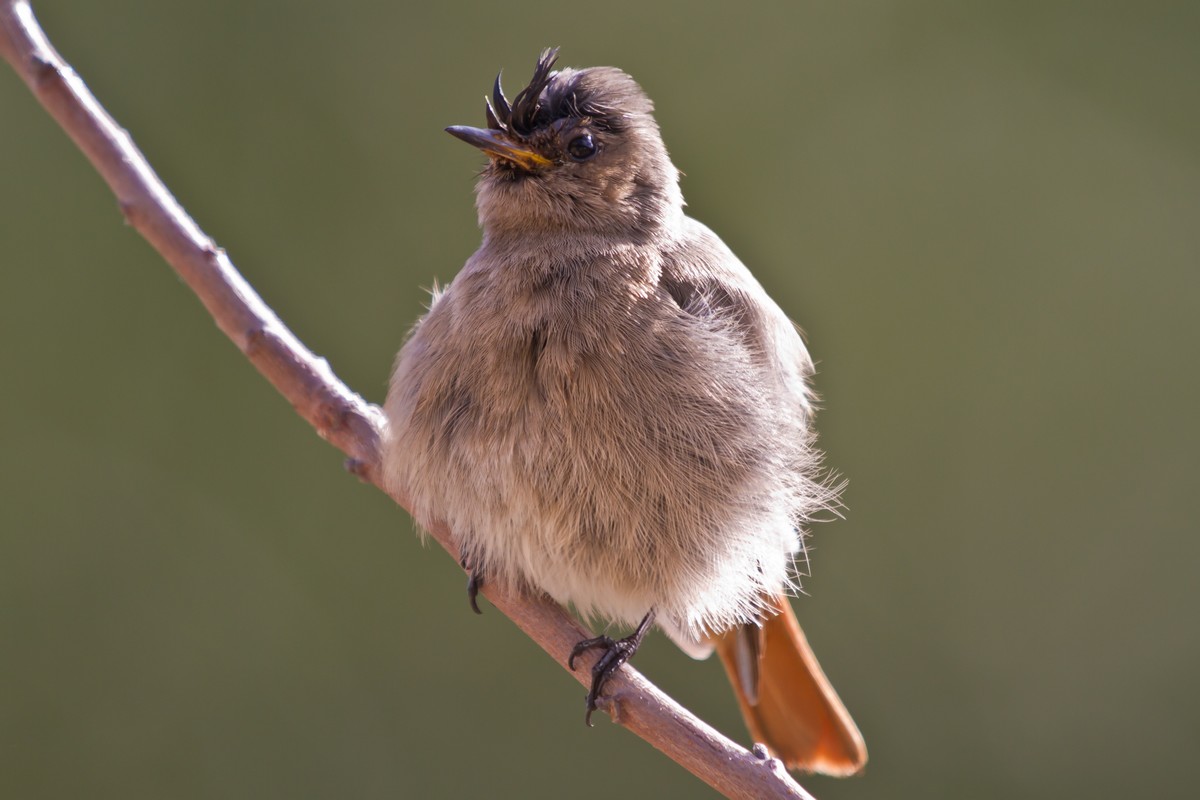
(581, 148)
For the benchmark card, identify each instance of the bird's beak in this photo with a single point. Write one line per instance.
(498, 145)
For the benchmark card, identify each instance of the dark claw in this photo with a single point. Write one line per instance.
(616, 653)
(585, 645)
(473, 583)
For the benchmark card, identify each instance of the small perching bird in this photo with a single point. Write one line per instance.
(605, 406)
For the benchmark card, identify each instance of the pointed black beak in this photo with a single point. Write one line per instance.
(499, 145)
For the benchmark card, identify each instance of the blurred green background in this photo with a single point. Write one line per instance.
(986, 217)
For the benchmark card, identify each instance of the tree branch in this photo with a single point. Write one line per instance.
(338, 414)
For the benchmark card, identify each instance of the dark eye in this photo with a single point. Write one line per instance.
(581, 148)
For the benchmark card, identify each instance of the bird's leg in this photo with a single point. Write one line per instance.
(616, 653)
(474, 581)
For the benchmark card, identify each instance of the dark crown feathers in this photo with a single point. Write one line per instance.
(599, 94)
(520, 117)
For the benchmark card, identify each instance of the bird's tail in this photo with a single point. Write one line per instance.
(787, 700)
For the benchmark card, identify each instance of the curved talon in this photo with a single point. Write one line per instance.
(588, 644)
(473, 583)
(616, 653)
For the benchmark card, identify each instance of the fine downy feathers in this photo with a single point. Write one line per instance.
(605, 405)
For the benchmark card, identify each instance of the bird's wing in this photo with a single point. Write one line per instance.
(705, 278)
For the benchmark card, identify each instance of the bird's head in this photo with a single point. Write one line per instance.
(575, 150)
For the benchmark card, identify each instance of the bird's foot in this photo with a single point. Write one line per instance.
(474, 581)
(616, 653)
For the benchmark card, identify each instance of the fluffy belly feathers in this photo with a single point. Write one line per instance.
(556, 468)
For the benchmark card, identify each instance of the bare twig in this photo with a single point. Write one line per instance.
(338, 414)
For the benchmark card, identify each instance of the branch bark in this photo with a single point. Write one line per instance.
(338, 414)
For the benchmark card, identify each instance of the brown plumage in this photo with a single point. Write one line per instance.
(605, 406)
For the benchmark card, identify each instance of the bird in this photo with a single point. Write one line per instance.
(606, 407)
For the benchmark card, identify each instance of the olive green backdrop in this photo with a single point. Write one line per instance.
(987, 219)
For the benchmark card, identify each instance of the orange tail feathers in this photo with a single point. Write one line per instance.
(786, 699)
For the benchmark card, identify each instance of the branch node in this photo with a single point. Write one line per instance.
(258, 340)
(611, 705)
(773, 765)
(129, 210)
(44, 71)
(331, 418)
